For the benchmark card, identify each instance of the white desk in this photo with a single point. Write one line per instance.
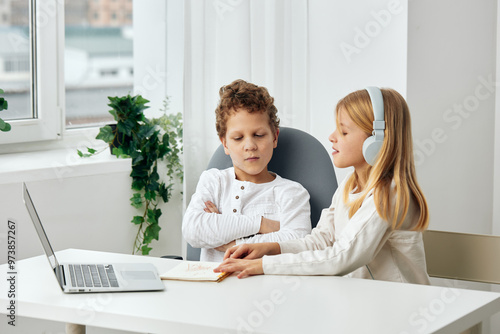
(261, 304)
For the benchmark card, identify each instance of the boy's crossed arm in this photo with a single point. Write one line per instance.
(204, 227)
(266, 226)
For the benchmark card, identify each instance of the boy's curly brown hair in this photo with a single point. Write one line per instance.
(244, 95)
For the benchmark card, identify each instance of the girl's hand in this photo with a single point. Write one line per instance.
(225, 247)
(210, 207)
(246, 267)
(253, 251)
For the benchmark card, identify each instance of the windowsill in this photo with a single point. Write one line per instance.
(57, 164)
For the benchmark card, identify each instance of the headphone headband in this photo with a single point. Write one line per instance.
(378, 111)
(373, 144)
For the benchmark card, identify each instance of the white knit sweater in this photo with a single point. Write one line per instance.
(241, 205)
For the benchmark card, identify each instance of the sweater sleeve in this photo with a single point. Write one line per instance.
(322, 236)
(210, 230)
(294, 217)
(356, 246)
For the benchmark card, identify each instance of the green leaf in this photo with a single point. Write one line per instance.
(113, 112)
(90, 153)
(164, 192)
(141, 100)
(119, 152)
(139, 172)
(138, 220)
(106, 134)
(138, 185)
(153, 216)
(4, 126)
(136, 157)
(136, 201)
(152, 232)
(145, 250)
(146, 131)
(166, 139)
(126, 126)
(3, 104)
(150, 195)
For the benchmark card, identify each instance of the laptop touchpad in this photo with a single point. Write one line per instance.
(138, 275)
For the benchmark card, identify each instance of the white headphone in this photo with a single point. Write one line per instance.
(373, 144)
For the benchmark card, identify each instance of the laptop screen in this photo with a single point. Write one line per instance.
(39, 228)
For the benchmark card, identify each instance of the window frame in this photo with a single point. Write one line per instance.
(48, 131)
(46, 17)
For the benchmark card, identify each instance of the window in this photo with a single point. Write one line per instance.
(15, 60)
(97, 59)
(98, 55)
(55, 92)
(27, 39)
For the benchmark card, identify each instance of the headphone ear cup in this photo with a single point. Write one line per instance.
(371, 147)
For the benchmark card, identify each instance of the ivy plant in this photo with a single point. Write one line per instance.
(147, 142)
(4, 126)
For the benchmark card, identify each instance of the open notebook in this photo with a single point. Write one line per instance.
(195, 271)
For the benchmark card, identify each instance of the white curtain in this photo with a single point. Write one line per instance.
(261, 41)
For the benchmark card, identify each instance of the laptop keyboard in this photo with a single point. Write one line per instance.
(92, 275)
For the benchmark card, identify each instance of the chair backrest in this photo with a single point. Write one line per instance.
(462, 256)
(299, 157)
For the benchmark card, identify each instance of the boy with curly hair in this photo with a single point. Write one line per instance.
(246, 203)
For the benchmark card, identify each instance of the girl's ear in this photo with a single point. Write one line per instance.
(275, 142)
(224, 144)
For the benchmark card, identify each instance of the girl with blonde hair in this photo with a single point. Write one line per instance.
(373, 228)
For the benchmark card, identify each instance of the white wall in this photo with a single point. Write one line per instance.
(87, 212)
(451, 92)
(353, 45)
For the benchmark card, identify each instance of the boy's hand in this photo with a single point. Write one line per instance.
(225, 247)
(268, 226)
(210, 207)
(246, 267)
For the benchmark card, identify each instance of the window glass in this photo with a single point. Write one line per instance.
(98, 58)
(15, 78)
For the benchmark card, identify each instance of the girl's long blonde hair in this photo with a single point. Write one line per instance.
(394, 163)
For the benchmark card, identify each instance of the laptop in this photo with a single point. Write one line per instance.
(95, 277)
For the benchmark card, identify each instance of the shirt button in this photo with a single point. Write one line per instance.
(234, 210)
(237, 197)
(242, 187)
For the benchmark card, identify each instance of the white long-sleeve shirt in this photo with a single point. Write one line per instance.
(241, 205)
(362, 246)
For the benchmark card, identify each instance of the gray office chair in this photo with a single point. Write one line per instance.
(299, 157)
